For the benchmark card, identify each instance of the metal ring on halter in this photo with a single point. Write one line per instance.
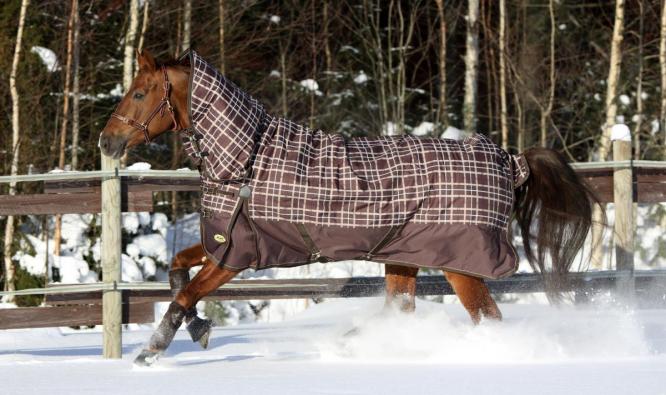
(165, 103)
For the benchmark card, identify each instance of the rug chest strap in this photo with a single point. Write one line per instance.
(315, 253)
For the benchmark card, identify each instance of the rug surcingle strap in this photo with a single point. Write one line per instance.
(315, 253)
(388, 237)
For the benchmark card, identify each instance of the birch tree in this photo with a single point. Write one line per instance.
(662, 65)
(221, 12)
(9, 226)
(639, 85)
(64, 125)
(613, 79)
(471, 66)
(128, 59)
(187, 25)
(130, 37)
(144, 25)
(611, 113)
(548, 107)
(76, 87)
(504, 123)
(442, 113)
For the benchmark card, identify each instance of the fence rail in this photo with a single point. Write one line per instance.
(79, 305)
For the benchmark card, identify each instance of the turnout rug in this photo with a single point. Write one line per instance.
(277, 194)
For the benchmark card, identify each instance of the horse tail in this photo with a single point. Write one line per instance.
(554, 210)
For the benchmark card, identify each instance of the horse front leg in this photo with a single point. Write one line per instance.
(206, 281)
(179, 277)
(474, 296)
(401, 287)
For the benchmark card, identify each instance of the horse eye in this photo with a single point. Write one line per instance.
(138, 96)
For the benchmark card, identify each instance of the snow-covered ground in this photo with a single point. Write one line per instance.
(538, 349)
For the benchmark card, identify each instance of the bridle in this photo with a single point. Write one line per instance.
(165, 104)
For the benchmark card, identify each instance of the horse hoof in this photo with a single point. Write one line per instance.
(199, 330)
(146, 358)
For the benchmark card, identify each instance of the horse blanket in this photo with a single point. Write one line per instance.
(277, 194)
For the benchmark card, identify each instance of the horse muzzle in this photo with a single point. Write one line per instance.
(113, 146)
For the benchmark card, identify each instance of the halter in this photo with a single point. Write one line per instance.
(165, 103)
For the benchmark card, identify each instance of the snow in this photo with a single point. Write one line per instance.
(139, 166)
(47, 56)
(452, 133)
(310, 85)
(625, 100)
(361, 78)
(620, 132)
(423, 129)
(536, 349)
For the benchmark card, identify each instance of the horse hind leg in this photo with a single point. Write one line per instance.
(179, 277)
(401, 287)
(474, 296)
(206, 281)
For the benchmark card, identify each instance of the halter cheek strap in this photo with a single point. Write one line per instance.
(165, 104)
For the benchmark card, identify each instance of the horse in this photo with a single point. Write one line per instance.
(275, 193)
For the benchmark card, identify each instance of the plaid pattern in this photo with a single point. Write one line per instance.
(307, 176)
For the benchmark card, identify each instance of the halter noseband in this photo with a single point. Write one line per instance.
(165, 103)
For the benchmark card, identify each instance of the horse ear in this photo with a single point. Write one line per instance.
(146, 61)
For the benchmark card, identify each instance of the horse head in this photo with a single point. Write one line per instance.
(155, 103)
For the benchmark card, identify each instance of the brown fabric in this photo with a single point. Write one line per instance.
(454, 198)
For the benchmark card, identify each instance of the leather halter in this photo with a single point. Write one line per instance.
(165, 104)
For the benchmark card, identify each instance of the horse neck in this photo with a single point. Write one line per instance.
(179, 78)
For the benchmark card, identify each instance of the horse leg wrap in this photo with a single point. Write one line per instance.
(199, 329)
(165, 332)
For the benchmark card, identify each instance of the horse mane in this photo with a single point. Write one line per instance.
(173, 62)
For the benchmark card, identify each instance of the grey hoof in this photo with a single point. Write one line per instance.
(146, 358)
(199, 330)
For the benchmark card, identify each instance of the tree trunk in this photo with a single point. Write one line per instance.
(57, 232)
(662, 64)
(613, 79)
(611, 112)
(639, 86)
(283, 79)
(187, 25)
(313, 53)
(548, 108)
(221, 5)
(128, 61)
(327, 45)
(9, 226)
(75, 89)
(471, 64)
(144, 25)
(442, 113)
(504, 122)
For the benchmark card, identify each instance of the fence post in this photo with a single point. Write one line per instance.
(111, 259)
(623, 229)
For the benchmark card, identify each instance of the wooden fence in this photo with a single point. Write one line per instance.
(81, 192)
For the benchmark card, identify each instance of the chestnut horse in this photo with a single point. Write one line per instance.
(552, 197)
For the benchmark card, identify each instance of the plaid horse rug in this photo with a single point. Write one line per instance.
(277, 194)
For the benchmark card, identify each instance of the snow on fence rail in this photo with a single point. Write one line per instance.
(114, 187)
